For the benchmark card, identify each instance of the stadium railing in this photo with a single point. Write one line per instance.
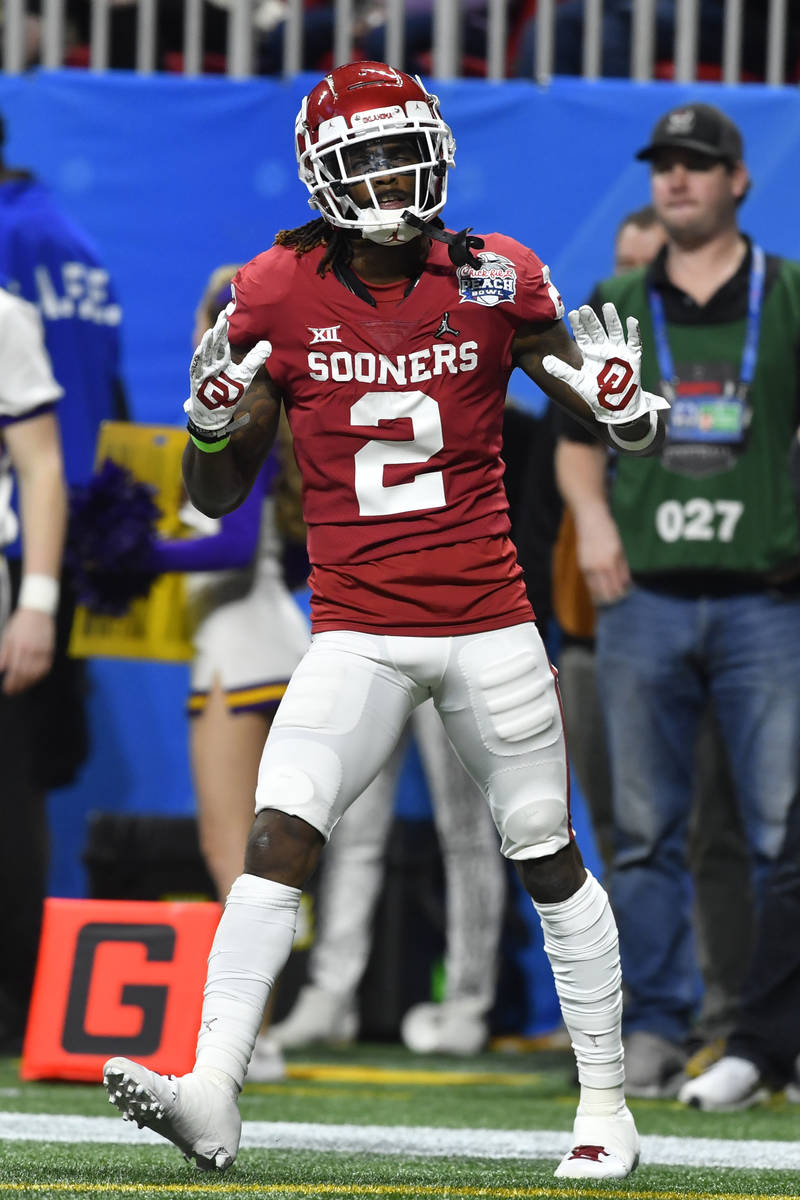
(504, 21)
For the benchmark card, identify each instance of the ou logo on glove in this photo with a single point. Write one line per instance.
(220, 391)
(614, 378)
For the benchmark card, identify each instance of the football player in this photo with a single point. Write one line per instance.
(390, 341)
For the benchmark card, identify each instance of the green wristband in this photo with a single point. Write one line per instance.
(210, 447)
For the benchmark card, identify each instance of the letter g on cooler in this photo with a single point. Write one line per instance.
(117, 977)
(150, 999)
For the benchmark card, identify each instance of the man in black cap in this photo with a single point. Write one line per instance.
(693, 562)
(699, 127)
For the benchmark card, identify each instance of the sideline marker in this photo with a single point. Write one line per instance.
(117, 977)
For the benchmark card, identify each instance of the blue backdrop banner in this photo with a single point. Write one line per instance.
(173, 176)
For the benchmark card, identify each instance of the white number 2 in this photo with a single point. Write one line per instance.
(426, 490)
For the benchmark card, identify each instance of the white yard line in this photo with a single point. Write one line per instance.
(411, 1141)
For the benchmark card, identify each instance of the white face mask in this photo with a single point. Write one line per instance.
(413, 146)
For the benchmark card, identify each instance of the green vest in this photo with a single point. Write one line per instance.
(704, 508)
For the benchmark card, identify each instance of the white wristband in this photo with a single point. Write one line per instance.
(643, 442)
(39, 592)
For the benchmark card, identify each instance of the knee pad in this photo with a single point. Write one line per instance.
(530, 809)
(309, 791)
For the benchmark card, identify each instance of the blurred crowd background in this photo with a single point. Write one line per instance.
(165, 132)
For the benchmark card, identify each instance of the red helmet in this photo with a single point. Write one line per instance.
(397, 127)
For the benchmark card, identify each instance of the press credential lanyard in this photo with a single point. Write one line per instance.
(747, 369)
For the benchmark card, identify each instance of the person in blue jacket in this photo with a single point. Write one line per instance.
(48, 260)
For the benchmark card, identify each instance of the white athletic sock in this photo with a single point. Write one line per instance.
(580, 939)
(600, 1102)
(251, 945)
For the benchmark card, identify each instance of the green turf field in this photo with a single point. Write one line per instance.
(377, 1121)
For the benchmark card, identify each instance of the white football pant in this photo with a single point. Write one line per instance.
(350, 698)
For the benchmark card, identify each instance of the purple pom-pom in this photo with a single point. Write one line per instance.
(110, 539)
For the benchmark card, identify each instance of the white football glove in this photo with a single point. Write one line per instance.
(217, 384)
(610, 377)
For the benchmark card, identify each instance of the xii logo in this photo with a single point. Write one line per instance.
(328, 334)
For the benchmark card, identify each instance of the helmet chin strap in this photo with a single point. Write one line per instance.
(459, 245)
(386, 234)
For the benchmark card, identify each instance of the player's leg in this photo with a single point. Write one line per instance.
(225, 750)
(250, 636)
(501, 708)
(351, 876)
(475, 888)
(342, 715)
(339, 721)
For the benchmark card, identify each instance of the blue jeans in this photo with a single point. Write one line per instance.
(768, 1031)
(659, 658)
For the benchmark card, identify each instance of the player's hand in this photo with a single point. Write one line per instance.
(217, 384)
(26, 649)
(609, 380)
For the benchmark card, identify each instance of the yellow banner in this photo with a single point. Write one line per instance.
(156, 626)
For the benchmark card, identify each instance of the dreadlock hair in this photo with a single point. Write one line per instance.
(322, 233)
(318, 233)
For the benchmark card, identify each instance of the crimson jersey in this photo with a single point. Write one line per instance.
(396, 413)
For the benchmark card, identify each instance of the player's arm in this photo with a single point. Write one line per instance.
(233, 412)
(594, 378)
(28, 640)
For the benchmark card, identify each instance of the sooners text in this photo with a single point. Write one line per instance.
(340, 366)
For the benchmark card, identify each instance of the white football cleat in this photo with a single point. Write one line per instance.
(602, 1147)
(317, 1016)
(193, 1113)
(452, 1027)
(267, 1063)
(729, 1085)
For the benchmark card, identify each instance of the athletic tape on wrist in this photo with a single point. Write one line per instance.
(39, 592)
(210, 447)
(643, 442)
